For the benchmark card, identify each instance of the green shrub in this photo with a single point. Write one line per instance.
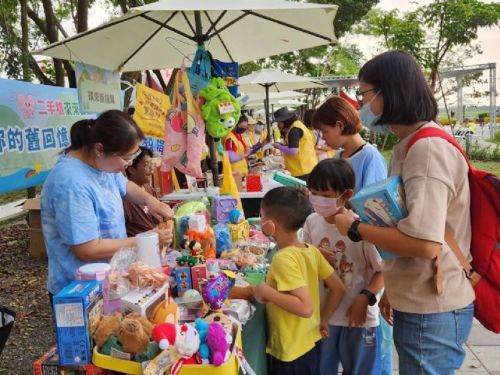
(495, 138)
(444, 121)
(489, 153)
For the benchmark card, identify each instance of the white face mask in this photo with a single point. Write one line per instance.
(325, 206)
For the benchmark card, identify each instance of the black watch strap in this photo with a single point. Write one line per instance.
(372, 298)
(353, 232)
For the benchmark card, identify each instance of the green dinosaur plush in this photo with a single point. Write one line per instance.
(221, 110)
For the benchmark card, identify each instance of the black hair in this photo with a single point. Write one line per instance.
(408, 97)
(289, 206)
(114, 129)
(308, 118)
(243, 118)
(144, 151)
(332, 174)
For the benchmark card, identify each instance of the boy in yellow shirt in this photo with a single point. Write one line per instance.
(291, 290)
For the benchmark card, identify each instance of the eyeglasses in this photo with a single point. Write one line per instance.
(129, 159)
(359, 94)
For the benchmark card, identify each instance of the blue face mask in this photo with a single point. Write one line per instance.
(240, 130)
(369, 119)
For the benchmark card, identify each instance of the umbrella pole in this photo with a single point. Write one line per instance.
(210, 140)
(269, 134)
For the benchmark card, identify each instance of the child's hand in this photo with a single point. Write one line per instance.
(385, 309)
(344, 220)
(329, 255)
(356, 313)
(260, 292)
(324, 328)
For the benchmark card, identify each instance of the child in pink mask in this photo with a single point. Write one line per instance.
(355, 336)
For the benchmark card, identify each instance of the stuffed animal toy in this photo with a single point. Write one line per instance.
(236, 216)
(202, 328)
(224, 321)
(187, 340)
(105, 327)
(145, 323)
(221, 110)
(132, 336)
(164, 334)
(216, 341)
(206, 241)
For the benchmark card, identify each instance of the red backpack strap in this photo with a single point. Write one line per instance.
(437, 133)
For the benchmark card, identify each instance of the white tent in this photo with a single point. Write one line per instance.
(159, 35)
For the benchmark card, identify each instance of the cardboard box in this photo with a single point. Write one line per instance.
(382, 204)
(37, 243)
(48, 364)
(75, 307)
(144, 301)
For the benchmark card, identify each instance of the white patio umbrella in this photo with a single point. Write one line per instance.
(253, 98)
(159, 35)
(162, 34)
(275, 80)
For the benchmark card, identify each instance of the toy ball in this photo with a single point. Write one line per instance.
(235, 216)
(216, 291)
(191, 295)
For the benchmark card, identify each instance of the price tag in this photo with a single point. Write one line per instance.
(225, 107)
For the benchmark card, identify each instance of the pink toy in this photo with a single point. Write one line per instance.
(217, 342)
(26, 105)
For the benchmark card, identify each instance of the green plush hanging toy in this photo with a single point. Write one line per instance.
(221, 110)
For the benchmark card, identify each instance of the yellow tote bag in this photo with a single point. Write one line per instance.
(228, 184)
(151, 110)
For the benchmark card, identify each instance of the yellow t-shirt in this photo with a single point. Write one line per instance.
(291, 336)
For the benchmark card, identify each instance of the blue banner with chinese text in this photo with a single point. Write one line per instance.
(35, 121)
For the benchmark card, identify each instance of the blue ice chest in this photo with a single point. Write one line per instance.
(75, 307)
(382, 204)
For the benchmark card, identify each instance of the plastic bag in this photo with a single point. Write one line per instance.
(7, 318)
(201, 70)
(150, 111)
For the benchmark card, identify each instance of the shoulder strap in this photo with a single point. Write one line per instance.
(437, 133)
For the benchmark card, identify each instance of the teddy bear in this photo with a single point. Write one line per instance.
(132, 336)
(216, 341)
(104, 327)
(221, 110)
(202, 328)
(145, 323)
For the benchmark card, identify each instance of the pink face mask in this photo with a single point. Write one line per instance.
(325, 206)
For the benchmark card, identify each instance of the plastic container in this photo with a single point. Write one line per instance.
(288, 180)
(148, 248)
(93, 271)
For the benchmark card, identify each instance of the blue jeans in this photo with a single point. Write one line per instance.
(357, 349)
(432, 344)
(386, 346)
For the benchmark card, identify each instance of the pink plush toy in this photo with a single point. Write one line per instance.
(216, 341)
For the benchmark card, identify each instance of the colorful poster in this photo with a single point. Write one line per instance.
(150, 112)
(35, 123)
(98, 89)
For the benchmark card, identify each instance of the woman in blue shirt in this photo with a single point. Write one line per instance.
(81, 201)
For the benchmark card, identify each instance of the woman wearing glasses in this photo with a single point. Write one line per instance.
(432, 311)
(81, 201)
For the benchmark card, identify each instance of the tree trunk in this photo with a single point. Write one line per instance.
(50, 23)
(82, 14)
(25, 41)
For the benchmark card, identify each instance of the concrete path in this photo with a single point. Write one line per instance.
(11, 210)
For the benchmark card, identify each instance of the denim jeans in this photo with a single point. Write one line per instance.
(386, 346)
(432, 344)
(357, 349)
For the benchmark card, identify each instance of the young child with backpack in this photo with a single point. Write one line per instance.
(354, 340)
(291, 290)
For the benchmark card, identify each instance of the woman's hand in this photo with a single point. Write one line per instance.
(158, 209)
(356, 313)
(344, 220)
(385, 309)
(165, 235)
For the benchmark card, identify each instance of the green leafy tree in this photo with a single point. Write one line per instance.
(435, 33)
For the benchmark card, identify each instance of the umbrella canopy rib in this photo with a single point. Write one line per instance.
(173, 29)
(288, 25)
(188, 22)
(147, 40)
(213, 24)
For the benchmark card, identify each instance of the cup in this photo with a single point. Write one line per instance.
(148, 248)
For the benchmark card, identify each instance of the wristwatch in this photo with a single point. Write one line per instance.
(353, 232)
(372, 299)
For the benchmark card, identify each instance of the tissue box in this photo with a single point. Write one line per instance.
(221, 207)
(75, 307)
(382, 204)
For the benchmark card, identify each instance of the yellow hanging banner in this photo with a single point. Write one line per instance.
(151, 108)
